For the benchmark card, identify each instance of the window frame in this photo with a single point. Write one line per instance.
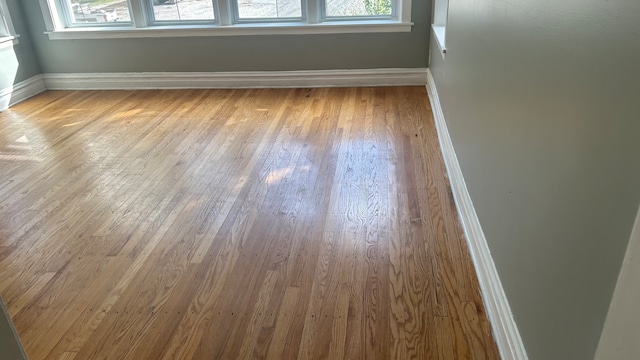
(227, 22)
(8, 36)
(5, 20)
(439, 24)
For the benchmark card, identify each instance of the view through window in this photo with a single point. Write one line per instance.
(99, 11)
(256, 9)
(340, 8)
(113, 11)
(171, 10)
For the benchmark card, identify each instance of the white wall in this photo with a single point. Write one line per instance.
(621, 334)
(541, 101)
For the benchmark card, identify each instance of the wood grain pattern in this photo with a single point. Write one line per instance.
(234, 224)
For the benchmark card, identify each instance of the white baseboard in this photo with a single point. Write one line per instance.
(216, 80)
(21, 91)
(497, 307)
(230, 80)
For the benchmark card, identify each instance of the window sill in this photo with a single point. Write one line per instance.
(9, 41)
(439, 34)
(335, 27)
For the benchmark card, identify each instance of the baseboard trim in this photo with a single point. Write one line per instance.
(21, 91)
(499, 313)
(231, 80)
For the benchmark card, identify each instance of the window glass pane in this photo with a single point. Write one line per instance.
(4, 17)
(255, 9)
(99, 11)
(4, 29)
(177, 10)
(359, 7)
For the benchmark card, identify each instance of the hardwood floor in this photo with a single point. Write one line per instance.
(234, 224)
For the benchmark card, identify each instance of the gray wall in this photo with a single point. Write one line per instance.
(10, 346)
(542, 100)
(19, 63)
(236, 53)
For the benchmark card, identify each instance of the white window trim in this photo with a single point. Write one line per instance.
(5, 17)
(439, 26)
(312, 23)
(9, 41)
(440, 34)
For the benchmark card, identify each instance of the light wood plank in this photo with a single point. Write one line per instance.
(234, 224)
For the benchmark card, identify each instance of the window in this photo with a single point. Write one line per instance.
(92, 12)
(170, 10)
(268, 9)
(6, 27)
(359, 8)
(440, 14)
(67, 19)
